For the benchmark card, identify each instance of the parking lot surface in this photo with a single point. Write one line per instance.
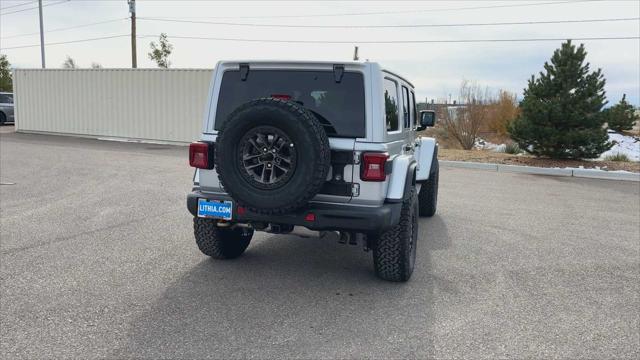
(97, 260)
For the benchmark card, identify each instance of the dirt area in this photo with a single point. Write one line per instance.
(486, 156)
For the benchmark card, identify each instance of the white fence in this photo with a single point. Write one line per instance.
(151, 104)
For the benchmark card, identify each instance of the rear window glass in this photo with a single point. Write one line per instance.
(339, 107)
(6, 98)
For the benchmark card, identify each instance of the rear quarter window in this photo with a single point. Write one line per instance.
(391, 104)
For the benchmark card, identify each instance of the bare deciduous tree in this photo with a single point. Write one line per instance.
(464, 121)
(69, 63)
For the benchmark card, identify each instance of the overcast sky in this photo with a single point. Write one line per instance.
(436, 69)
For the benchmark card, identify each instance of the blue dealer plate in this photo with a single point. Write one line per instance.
(215, 209)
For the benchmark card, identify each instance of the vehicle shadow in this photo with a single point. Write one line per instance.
(293, 297)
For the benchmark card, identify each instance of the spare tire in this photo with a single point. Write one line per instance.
(272, 156)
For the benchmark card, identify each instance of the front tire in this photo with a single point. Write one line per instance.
(394, 251)
(428, 196)
(220, 243)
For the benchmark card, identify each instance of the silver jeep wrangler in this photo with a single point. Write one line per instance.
(330, 147)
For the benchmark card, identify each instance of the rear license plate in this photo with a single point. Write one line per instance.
(215, 209)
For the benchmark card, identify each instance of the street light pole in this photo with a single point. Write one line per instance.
(132, 10)
(41, 34)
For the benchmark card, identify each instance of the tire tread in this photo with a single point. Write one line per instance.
(391, 258)
(220, 243)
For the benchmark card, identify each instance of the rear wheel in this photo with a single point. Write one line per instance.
(428, 196)
(3, 118)
(394, 251)
(218, 242)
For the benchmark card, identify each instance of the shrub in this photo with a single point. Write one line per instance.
(561, 110)
(503, 111)
(617, 157)
(512, 148)
(621, 116)
(463, 122)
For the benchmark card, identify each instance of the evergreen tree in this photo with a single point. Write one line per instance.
(621, 116)
(6, 83)
(561, 110)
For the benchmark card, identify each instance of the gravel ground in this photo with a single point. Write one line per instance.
(97, 260)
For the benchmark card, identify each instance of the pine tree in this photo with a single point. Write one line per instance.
(621, 116)
(561, 110)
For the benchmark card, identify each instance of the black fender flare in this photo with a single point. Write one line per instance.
(432, 171)
(410, 179)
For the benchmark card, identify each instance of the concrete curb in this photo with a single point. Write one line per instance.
(607, 175)
(535, 170)
(470, 165)
(575, 172)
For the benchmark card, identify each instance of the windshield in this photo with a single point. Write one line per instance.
(339, 107)
(6, 98)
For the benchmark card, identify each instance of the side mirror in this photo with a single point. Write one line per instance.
(427, 118)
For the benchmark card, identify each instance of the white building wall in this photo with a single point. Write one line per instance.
(151, 104)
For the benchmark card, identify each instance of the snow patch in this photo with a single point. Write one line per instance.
(482, 144)
(623, 144)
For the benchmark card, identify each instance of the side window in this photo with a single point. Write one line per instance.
(6, 99)
(412, 109)
(391, 104)
(405, 108)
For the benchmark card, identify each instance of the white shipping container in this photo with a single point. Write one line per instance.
(148, 104)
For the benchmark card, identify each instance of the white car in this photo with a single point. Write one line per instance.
(331, 147)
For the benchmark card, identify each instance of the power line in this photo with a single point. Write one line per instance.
(65, 28)
(336, 41)
(395, 41)
(391, 26)
(66, 42)
(17, 5)
(402, 11)
(36, 7)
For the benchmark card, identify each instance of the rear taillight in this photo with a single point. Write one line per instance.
(201, 155)
(372, 168)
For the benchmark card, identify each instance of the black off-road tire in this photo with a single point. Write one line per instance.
(428, 195)
(3, 118)
(311, 146)
(394, 251)
(220, 243)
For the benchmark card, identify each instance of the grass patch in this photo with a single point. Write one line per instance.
(512, 148)
(616, 157)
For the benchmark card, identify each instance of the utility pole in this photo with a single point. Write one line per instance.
(41, 34)
(132, 10)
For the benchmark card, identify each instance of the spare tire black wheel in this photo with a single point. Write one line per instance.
(272, 156)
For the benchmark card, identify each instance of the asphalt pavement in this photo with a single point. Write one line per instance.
(98, 260)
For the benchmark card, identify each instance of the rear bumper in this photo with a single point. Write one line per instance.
(327, 216)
